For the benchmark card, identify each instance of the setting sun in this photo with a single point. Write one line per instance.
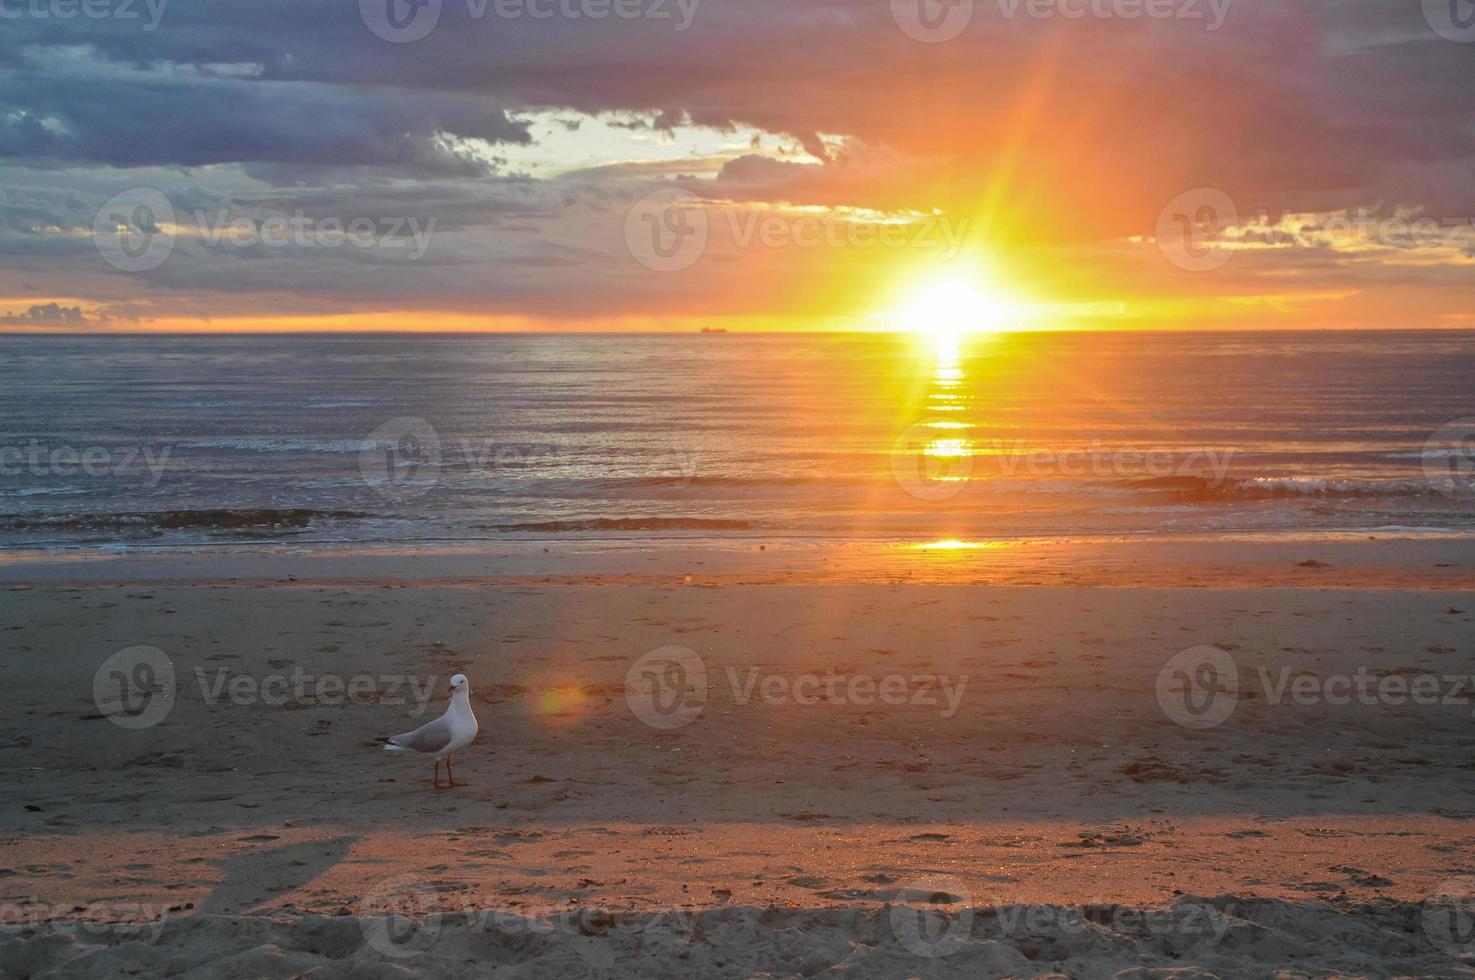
(947, 310)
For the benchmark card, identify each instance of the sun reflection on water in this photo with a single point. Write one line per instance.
(947, 392)
(954, 544)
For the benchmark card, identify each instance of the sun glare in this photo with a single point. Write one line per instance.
(949, 310)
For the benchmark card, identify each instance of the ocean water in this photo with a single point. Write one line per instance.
(428, 439)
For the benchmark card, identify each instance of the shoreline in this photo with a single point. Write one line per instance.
(1315, 561)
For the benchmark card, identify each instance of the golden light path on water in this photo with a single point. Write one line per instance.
(948, 454)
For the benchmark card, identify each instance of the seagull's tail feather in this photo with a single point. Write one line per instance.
(390, 746)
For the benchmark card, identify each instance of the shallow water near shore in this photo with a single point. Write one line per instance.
(425, 439)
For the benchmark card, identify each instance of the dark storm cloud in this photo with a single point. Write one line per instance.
(1283, 100)
(143, 121)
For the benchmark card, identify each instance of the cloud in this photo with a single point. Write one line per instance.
(1057, 138)
(147, 119)
(55, 315)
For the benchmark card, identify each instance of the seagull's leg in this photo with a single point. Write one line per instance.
(451, 775)
(436, 783)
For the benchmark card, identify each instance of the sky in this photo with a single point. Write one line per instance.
(751, 165)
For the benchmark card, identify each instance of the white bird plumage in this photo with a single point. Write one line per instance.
(449, 733)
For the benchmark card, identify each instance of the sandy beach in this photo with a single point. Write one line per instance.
(861, 778)
(622, 489)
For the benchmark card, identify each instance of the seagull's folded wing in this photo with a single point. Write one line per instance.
(430, 737)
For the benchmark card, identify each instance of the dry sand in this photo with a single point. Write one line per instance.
(1021, 828)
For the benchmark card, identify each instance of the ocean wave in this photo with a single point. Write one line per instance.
(43, 492)
(625, 524)
(1186, 486)
(1430, 453)
(275, 445)
(1270, 487)
(1320, 487)
(223, 519)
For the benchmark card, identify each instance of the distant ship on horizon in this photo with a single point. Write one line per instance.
(714, 330)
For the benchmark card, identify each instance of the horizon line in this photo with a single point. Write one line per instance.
(729, 332)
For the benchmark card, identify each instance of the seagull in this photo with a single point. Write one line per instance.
(451, 732)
